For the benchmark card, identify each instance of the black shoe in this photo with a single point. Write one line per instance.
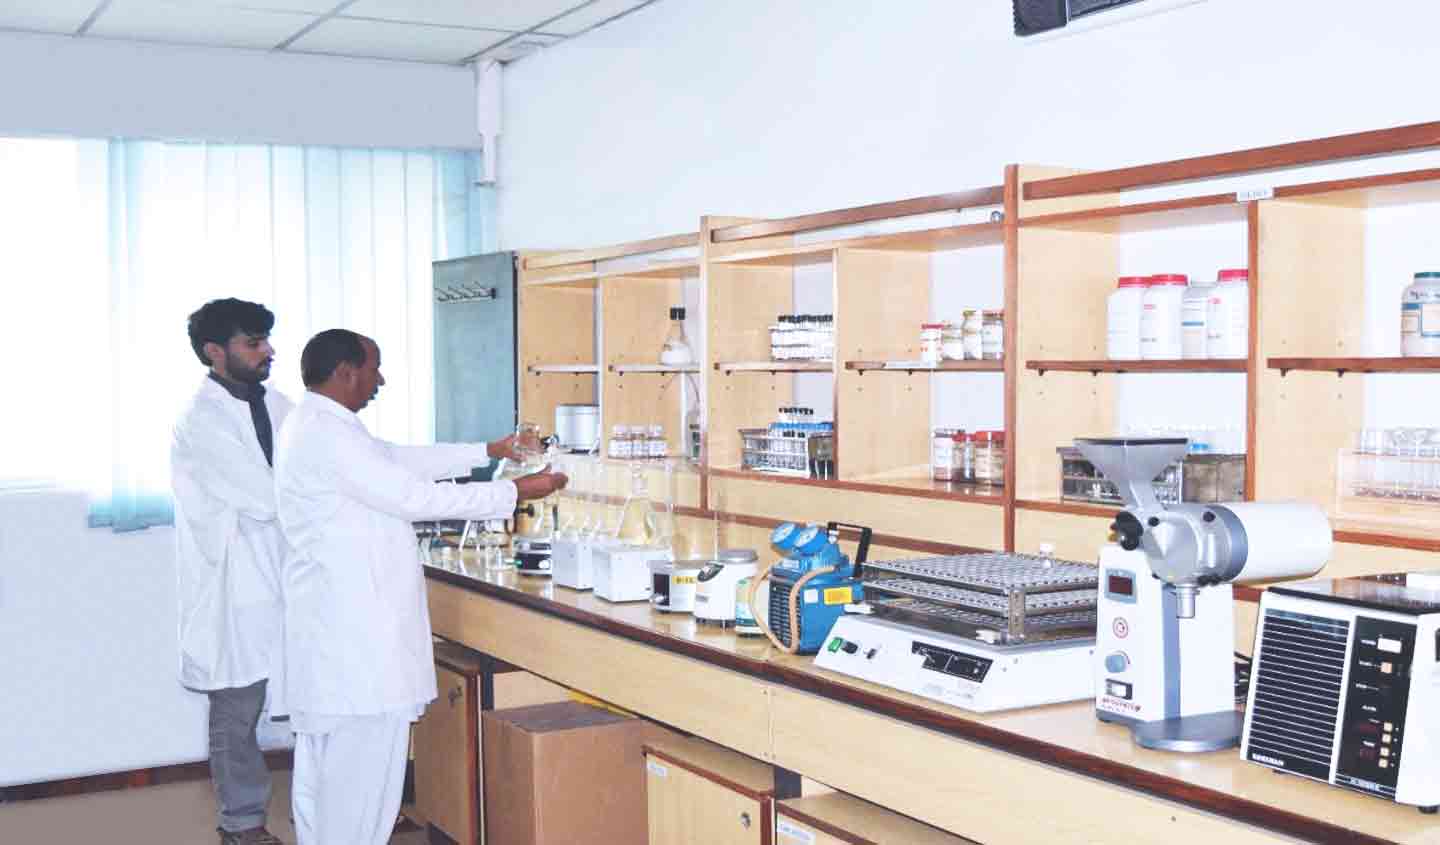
(253, 836)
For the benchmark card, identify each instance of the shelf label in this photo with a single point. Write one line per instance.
(656, 769)
(1252, 194)
(787, 832)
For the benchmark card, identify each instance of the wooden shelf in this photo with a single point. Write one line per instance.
(922, 240)
(1193, 365)
(1147, 216)
(995, 366)
(681, 269)
(586, 279)
(1341, 366)
(563, 369)
(772, 367)
(1073, 508)
(922, 488)
(1368, 532)
(658, 369)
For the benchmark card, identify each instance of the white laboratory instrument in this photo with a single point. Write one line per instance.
(622, 571)
(1346, 685)
(1164, 651)
(715, 585)
(982, 632)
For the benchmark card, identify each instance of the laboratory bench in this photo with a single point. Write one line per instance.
(1051, 773)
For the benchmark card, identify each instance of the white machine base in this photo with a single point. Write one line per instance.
(958, 671)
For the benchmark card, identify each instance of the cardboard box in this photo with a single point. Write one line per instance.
(563, 773)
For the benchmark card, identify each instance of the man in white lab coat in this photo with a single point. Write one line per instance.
(230, 550)
(359, 666)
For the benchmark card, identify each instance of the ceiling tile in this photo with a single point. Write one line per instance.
(490, 14)
(373, 39)
(50, 16)
(197, 23)
(595, 13)
(313, 7)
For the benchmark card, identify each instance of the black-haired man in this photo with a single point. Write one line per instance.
(359, 665)
(230, 550)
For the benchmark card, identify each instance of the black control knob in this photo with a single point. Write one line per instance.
(1129, 530)
(850, 648)
(1209, 516)
(1153, 522)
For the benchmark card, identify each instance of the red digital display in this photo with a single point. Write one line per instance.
(1120, 585)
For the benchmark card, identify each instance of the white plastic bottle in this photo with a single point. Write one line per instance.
(1122, 320)
(1228, 320)
(1160, 317)
(1420, 317)
(1194, 320)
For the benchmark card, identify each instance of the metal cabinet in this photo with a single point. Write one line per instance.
(448, 753)
(701, 794)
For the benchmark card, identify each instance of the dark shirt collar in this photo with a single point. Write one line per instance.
(240, 390)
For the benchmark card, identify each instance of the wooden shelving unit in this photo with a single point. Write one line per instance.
(773, 367)
(1341, 366)
(652, 369)
(1059, 242)
(1194, 365)
(911, 367)
(563, 369)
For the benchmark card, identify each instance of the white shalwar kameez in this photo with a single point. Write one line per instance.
(358, 661)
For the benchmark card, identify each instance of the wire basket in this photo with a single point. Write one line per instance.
(804, 454)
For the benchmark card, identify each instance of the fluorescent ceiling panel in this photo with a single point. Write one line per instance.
(487, 14)
(48, 16)
(595, 13)
(197, 23)
(345, 37)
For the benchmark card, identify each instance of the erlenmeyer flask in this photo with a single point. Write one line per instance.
(637, 516)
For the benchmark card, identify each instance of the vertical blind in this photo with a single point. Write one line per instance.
(107, 246)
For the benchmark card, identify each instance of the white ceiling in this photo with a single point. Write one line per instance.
(437, 31)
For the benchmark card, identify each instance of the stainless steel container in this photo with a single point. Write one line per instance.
(578, 427)
(1199, 479)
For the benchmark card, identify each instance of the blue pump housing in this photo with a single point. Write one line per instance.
(823, 598)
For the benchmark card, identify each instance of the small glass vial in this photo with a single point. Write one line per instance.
(931, 340)
(992, 335)
(972, 335)
(619, 442)
(952, 342)
(942, 454)
(997, 459)
(982, 450)
(964, 457)
(655, 443)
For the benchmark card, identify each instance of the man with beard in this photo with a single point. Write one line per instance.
(230, 550)
(359, 667)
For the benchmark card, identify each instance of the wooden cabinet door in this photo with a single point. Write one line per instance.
(688, 809)
(447, 777)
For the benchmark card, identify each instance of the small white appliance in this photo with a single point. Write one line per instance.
(1164, 660)
(715, 585)
(622, 571)
(572, 560)
(1345, 687)
(577, 427)
(673, 585)
(960, 671)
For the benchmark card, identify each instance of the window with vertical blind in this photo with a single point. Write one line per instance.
(107, 246)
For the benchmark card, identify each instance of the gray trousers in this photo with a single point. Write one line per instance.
(237, 767)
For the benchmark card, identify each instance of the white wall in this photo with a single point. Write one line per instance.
(755, 108)
(691, 107)
(88, 652)
(56, 85)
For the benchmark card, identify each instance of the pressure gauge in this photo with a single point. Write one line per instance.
(784, 535)
(811, 540)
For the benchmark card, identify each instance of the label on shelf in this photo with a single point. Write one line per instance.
(1252, 194)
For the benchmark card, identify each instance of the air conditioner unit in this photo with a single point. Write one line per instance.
(1345, 685)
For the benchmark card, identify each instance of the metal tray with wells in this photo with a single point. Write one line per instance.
(995, 597)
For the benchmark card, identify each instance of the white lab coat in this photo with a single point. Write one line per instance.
(357, 627)
(229, 548)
